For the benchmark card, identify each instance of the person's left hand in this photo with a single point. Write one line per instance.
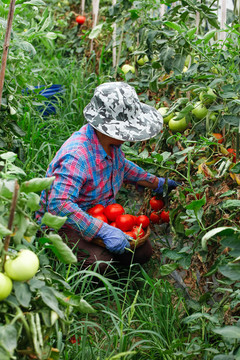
(171, 185)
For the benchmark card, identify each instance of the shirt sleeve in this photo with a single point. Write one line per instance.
(62, 201)
(134, 173)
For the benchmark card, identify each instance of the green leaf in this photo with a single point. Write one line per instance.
(236, 169)
(37, 184)
(85, 307)
(228, 204)
(61, 250)
(196, 204)
(168, 269)
(217, 231)
(33, 200)
(35, 2)
(232, 332)
(231, 270)
(144, 154)
(51, 35)
(9, 156)
(4, 231)
(49, 298)
(22, 293)
(190, 33)
(8, 338)
(174, 26)
(53, 221)
(209, 35)
(96, 31)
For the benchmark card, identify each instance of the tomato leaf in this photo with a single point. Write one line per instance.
(53, 221)
(220, 230)
(37, 184)
(168, 269)
(61, 250)
(232, 332)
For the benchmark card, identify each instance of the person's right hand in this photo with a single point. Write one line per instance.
(114, 239)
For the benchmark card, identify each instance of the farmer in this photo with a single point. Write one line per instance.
(90, 168)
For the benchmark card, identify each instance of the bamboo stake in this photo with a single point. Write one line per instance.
(6, 46)
(223, 34)
(114, 50)
(95, 5)
(82, 7)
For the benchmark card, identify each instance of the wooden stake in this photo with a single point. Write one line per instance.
(6, 46)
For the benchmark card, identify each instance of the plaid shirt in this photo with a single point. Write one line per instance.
(85, 176)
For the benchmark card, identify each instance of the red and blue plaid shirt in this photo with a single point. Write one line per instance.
(85, 176)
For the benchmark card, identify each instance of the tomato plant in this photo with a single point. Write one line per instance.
(156, 204)
(125, 222)
(143, 220)
(96, 210)
(23, 267)
(113, 210)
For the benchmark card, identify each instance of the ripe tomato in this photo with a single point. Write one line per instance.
(139, 232)
(101, 217)
(144, 220)
(96, 210)
(154, 218)
(232, 151)
(131, 233)
(164, 216)
(134, 219)
(219, 137)
(113, 224)
(80, 19)
(125, 222)
(156, 204)
(112, 211)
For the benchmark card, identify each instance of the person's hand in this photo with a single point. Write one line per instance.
(171, 185)
(114, 239)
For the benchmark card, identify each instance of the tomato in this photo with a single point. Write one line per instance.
(156, 204)
(200, 111)
(144, 220)
(232, 151)
(113, 224)
(164, 216)
(125, 222)
(131, 233)
(126, 68)
(112, 211)
(154, 218)
(177, 125)
(23, 267)
(139, 232)
(101, 217)
(5, 286)
(135, 219)
(96, 210)
(80, 19)
(219, 137)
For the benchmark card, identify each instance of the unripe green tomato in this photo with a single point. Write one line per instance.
(142, 60)
(187, 61)
(177, 125)
(5, 286)
(126, 68)
(163, 110)
(200, 111)
(206, 100)
(131, 49)
(213, 117)
(23, 267)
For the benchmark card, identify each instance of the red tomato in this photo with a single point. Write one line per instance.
(113, 224)
(219, 137)
(144, 220)
(156, 204)
(101, 217)
(232, 151)
(96, 210)
(131, 233)
(165, 216)
(134, 219)
(125, 222)
(112, 211)
(80, 19)
(154, 218)
(139, 232)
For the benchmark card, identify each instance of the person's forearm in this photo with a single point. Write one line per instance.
(145, 183)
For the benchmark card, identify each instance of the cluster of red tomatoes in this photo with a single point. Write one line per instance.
(114, 215)
(158, 215)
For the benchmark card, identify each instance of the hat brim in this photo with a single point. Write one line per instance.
(144, 125)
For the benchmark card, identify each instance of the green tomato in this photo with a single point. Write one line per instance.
(187, 61)
(126, 68)
(131, 49)
(177, 125)
(142, 60)
(23, 267)
(200, 111)
(205, 99)
(163, 110)
(5, 286)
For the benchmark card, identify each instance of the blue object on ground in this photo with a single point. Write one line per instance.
(53, 94)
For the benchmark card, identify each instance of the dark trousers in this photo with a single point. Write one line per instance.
(88, 252)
